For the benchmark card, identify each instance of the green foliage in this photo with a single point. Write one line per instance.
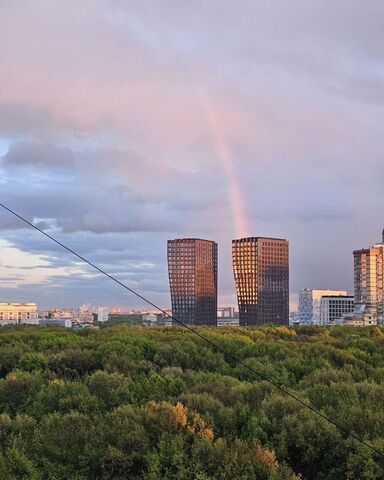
(160, 404)
(33, 361)
(130, 320)
(19, 467)
(63, 396)
(111, 389)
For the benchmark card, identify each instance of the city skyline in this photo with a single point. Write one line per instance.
(263, 255)
(175, 121)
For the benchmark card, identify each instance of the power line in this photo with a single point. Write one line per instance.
(227, 354)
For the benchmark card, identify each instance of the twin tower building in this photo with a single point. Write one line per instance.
(261, 273)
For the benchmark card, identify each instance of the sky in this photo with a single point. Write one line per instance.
(124, 123)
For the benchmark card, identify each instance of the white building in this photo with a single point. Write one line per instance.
(313, 310)
(226, 312)
(102, 314)
(16, 313)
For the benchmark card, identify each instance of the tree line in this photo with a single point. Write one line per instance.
(160, 403)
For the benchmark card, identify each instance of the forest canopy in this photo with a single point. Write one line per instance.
(160, 403)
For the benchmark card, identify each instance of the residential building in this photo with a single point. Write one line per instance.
(16, 313)
(313, 310)
(103, 314)
(261, 272)
(369, 284)
(192, 267)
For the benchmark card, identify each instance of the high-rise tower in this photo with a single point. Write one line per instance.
(369, 284)
(261, 271)
(192, 268)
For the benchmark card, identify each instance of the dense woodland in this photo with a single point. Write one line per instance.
(159, 403)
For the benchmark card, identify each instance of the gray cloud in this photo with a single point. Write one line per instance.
(128, 123)
(16, 119)
(41, 155)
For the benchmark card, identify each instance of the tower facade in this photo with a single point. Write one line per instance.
(261, 272)
(192, 269)
(369, 284)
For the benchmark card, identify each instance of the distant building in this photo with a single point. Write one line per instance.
(149, 318)
(83, 315)
(84, 309)
(228, 322)
(116, 311)
(102, 314)
(358, 318)
(261, 272)
(226, 312)
(17, 313)
(334, 308)
(80, 326)
(56, 322)
(164, 319)
(192, 267)
(62, 314)
(369, 284)
(294, 319)
(320, 307)
(168, 322)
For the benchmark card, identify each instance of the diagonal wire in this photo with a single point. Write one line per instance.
(213, 344)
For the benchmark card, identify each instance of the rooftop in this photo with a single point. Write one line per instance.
(259, 238)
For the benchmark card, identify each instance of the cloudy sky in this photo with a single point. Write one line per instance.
(124, 123)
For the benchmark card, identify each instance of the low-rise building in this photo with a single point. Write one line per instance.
(63, 314)
(18, 313)
(294, 319)
(226, 312)
(80, 326)
(333, 308)
(56, 322)
(149, 318)
(228, 322)
(116, 311)
(359, 318)
(86, 317)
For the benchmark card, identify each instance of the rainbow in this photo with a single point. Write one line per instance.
(225, 157)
